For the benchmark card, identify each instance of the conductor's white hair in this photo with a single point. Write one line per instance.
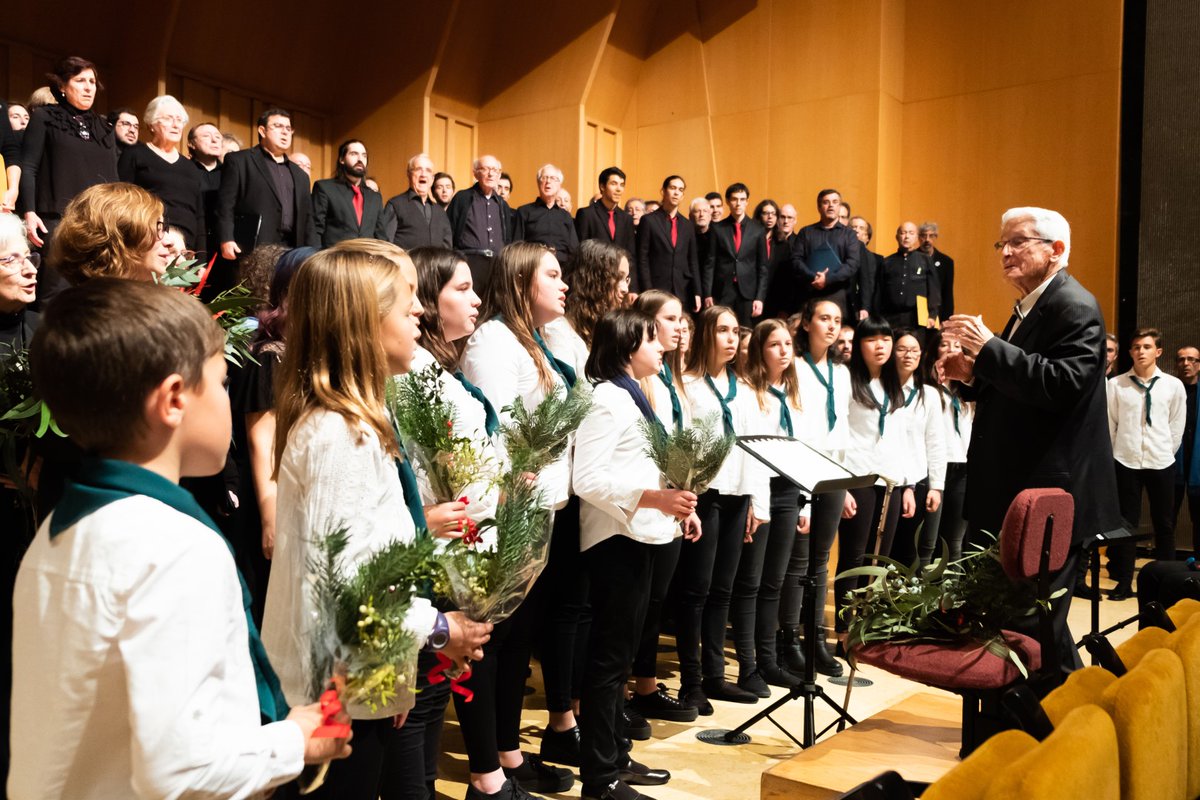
(1046, 223)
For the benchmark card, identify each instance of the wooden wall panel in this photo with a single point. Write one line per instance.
(525, 143)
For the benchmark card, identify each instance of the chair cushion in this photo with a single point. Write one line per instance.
(970, 779)
(1024, 526)
(966, 665)
(1078, 761)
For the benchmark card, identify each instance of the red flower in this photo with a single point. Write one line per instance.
(470, 532)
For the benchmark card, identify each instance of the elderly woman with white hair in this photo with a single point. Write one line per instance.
(18, 285)
(158, 167)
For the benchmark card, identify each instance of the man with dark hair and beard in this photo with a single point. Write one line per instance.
(344, 207)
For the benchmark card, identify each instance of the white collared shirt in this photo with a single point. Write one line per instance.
(566, 344)
(660, 400)
(868, 451)
(926, 452)
(957, 441)
(131, 670)
(812, 423)
(733, 479)
(1139, 445)
(1026, 303)
(333, 474)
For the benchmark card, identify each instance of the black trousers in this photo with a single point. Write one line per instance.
(1193, 501)
(728, 294)
(1159, 485)
(856, 538)
(947, 523)
(664, 559)
(811, 551)
(705, 582)
(904, 543)
(411, 756)
(620, 569)
(566, 618)
(754, 612)
(491, 722)
(481, 271)
(361, 775)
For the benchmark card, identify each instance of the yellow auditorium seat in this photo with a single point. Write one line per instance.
(969, 780)
(1182, 611)
(1078, 761)
(1132, 649)
(1082, 687)
(1186, 644)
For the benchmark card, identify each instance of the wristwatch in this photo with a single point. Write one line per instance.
(441, 633)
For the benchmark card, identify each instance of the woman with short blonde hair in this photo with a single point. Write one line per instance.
(112, 230)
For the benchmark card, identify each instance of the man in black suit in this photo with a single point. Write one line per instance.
(604, 219)
(862, 293)
(481, 221)
(205, 146)
(905, 276)
(736, 273)
(825, 254)
(415, 219)
(343, 206)
(667, 257)
(1041, 418)
(545, 221)
(944, 264)
(261, 182)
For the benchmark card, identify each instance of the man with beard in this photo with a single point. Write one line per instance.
(125, 125)
(415, 218)
(343, 206)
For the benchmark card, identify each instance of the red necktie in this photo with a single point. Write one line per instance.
(768, 247)
(612, 225)
(358, 202)
(674, 231)
(737, 235)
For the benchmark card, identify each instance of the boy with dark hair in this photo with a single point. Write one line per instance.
(136, 669)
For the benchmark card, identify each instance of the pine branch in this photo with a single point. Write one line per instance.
(688, 459)
(537, 438)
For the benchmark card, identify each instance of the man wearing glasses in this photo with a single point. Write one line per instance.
(1041, 417)
(481, 220)
(264, 192)
(1187, 478)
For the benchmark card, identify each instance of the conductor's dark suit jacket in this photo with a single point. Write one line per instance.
(247, 188)
(1041, 418)
(334, 217)
(661, 265)
(748, 264)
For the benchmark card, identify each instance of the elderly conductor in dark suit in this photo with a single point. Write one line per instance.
(1041, 415)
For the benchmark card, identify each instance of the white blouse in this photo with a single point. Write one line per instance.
(870, 452)
(470, 420)
(957, 441)
(733, 478)
(765, 420)
(131, 671)
(566, 344)
(497, 363)
(660, 400)
(926, 437)
(612, 471)
(333, 474)
(812, 424)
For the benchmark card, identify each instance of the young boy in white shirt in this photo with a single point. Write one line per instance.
(1147, 410)
(136, 669)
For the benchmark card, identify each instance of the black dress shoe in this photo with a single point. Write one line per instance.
(636, 774)
(1082, 590)
(661, 705)
(777, 676)
(511, 790)
(721, 689)
(1122, 591)
(826, 664)
(561, 747)
(533, 774)
(617, 790)
(755, 683)
(695, 697)
(636, 726)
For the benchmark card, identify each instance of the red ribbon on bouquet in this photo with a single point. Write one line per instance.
(436, 675)
(331, 706)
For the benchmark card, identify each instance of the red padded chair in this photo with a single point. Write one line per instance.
(1034, 542)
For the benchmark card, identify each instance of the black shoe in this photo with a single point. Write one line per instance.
(790, 653)
(536, 775)
(755, 684)
(511, 790)
(777, 676)
(1122, 591)
(721, 689)
(694, 697)
(636, 726)
(617, 790)
(636, 774)
(561, 747)
(1082, 590)
(661, 705)
(826, 664)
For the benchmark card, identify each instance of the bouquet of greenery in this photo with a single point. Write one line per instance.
(231, 308)
(969, 599)
(538, 438)
(451, 462)
(688, 459)
(359, 636)
(23, 417)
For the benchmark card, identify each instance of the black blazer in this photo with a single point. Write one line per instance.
(783, 290)
(749, 264)
(247, 188)
(404, 223)
(944, 265)
(333, 212)
(661, 265)
(459, 207)
(591, 222)
(1041, 418)
(869, 266)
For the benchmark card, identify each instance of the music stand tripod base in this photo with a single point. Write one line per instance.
(723, 737)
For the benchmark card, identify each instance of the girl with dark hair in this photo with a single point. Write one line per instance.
(925, 454)
(771, 374)
(669, 400)
(625, 517)
(822, 423)
(729, 513)
(877, 441)
(599, 279)
(508, 360)
(956, 415)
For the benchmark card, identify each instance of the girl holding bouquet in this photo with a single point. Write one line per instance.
(351, 324)
(625, 518)
(509, 361)
(821, 423)
(729, 514)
